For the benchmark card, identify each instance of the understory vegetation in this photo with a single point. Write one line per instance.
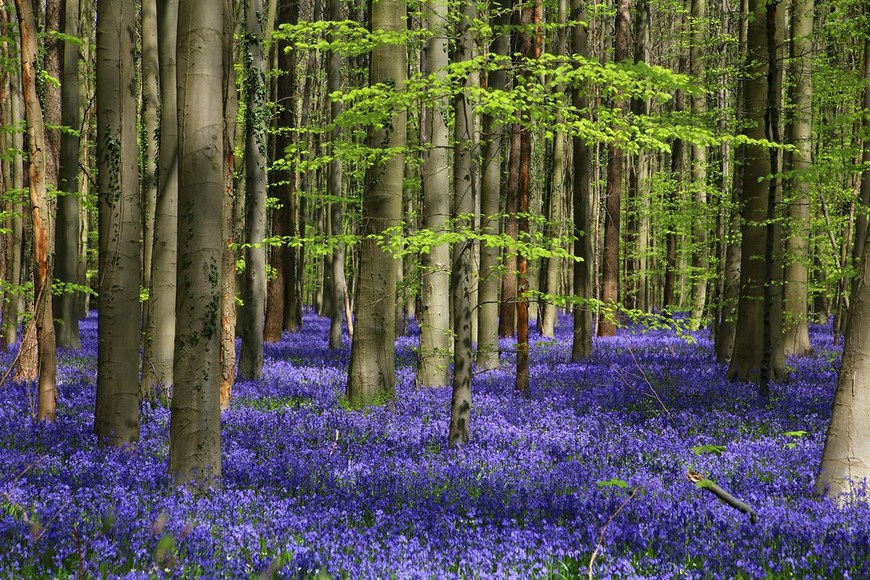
(593, 463)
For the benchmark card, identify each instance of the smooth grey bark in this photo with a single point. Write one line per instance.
(334, 190)
(41, 218)
(796, 337)
(552, 266)
(65, 304)
(582, 196)
(463, 249)
(749, 341)
(435, 335)
(13, 306)
(283, 183)
(613, 200)
(194, 429)
(253, 310)
(231, 205)
(861, 219)
(150, 127)
(372, 373)
(700, 224)
(116, 417)
(845, 466)
(160, 335)
(490, 193)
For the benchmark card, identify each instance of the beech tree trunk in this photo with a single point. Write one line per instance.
(65, 304)
(613, 201)
(490, 194)
(372, 373)
(749, 346)
(194, 428)
(796, 289)
(435, 335)
(116, 418)
(253, 310)
(584, 208)
(701, 223)
(41, 218)
(150, 120)
(160, 336)
(507, 323)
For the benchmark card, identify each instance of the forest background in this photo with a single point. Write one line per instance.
(199, 171)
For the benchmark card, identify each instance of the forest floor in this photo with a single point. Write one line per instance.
(595, 462)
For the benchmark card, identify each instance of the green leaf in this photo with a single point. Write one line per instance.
(709, 448)
(614, 482)
(795, 433)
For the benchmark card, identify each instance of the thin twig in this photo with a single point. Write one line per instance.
(606, 525)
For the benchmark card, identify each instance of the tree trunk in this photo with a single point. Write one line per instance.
(796, 290)
(13, 306)
(283, 179)
(507, 323)
(463, 207)
(372, 374)
(846, 456)
(490, 193)
(194, 429)
(615, 170)
(151, 129)
(65, 304)
(435, 336)
(228, 214)
(160, 337)
(41, 218)
(583, 195)
(116, 418)
(335, 190)
(749, 343)
(253, 310)
(701, 224)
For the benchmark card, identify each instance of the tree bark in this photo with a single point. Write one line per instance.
(507, 323)
(435, 335)
(613, 201)
(701, 223)
(253, 310)
(490, 193)
(116, 418)
(194, 429)
(582, 196)
(151, 129)
(160, 337)
(372, 374)
(749, 344)
(796, 289)
(65, 304)
(41, 218)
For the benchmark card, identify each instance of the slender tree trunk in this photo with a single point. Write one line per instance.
(463, 207)
(490, 193)
(254, 278)
(151, 129)
(116, 419)
(796, 289)
(701, 223)
(507, 323)
(13, 306)
(582, 195)
(335, 191)
(749, 345)
(160, 336)
(65, 304)
(231, 205)
(194, 429)
(283, 180)
(372, 375)
(552, 266)
(435, 335)
(613, 201)
(41, 218)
